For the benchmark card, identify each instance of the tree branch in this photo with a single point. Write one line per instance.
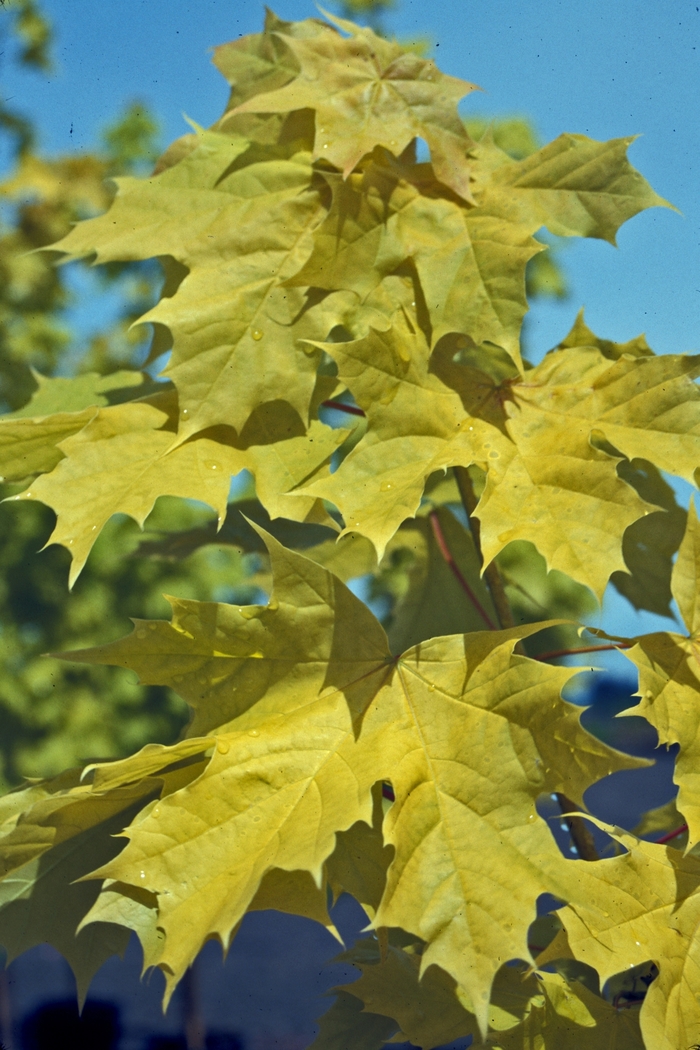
(491, 573)
(555, 653)
(671, 835)
(578, 829)
(339, 406)
(456, 572)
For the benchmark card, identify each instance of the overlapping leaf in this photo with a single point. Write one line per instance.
(52, 834)
(417, 425)
(240, 233)
(471, 261)
(549, 442)
(368, 91)
(471, 265)
(308, 710)
(301, 221)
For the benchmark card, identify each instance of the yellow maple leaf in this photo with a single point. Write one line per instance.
(653, 913)
(240, 233)
(308, 710)
(122, 458)
(368, 91)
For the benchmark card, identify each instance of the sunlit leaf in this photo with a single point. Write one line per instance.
(308, 710)
(368, 91)
(653, 914)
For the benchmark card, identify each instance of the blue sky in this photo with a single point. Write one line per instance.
(597, 67)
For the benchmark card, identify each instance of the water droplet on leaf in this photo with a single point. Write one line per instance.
(256, 334)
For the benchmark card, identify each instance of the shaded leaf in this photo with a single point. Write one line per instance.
(581, 335)
(649, 544)
(62, 834)
(359, 862)
(471, 264)
(659, 820)
(570, 1017)
(30, 446)
(550, 483)
(416, 426)
(346, 1023)
(669, 680)
(58, 394)
(436, 602)
(430, 1009)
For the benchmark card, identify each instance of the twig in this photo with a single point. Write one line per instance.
(456, 572)
(353, 410)
(578, 829)
(491, 573)
(671, 835)
(582, 649)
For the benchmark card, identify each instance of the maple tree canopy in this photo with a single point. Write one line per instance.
(343, 322)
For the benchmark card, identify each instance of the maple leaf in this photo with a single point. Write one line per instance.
(125, 456)
(581, 335)
(653, 913)
(240, 233)
(359, 862)
(368, 91)
(30, 446)
(308, 260)
(262, 62)
(575, 186)
(308, 710)
(416, 426)
(347, 1022)
(442, 597)
(60, 407)
(57, 394)
(649, 544)
(669, 678)
(471, 261)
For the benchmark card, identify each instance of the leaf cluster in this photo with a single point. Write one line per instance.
(343, 329)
